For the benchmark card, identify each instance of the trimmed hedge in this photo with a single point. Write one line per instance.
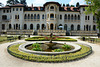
(13, 50)
(55, 38)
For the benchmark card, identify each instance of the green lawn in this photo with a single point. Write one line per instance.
(3, 39)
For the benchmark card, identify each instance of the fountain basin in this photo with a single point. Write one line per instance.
(23, 48)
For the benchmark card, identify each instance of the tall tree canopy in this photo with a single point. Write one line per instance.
(94, 7)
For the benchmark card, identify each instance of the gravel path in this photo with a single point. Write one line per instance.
(6, 60)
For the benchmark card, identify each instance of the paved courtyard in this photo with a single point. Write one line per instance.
(6, 60)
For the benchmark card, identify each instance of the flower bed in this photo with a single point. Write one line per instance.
(13, 50)
(47, 38)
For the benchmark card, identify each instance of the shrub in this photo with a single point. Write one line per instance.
(37, 49)
(58, 50)
(66, 47)
(36, 45)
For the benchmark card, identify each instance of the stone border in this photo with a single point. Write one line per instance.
(22, 48)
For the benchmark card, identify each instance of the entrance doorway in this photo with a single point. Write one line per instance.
(51, 26)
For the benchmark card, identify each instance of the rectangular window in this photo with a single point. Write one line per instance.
(16, 9)
(3, 11)
(13, 9)
(60, 17)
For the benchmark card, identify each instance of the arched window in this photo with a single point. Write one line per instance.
(3, 26)
(43, 27)
(51, 15)
(28, 16)
(9, 26)
(90, 28)
(87, 27)
(38, 26)
(25, 26)
(16, 26)
(75, 17)
(34, 16)
(42, 16)
(88, 17)
(38, 16)
(60, 16)
(4, 17)
(31, 16)
(60, 26)
(84, 27)
(85, 17)
(18, 16)
(51, 7)
(78, 27)
(65, 16)
(78, 17)
(19, 26)
(94, 27)
(65, 27)
(72, 27)
(71, 17)
(25, 16)
(31, 26)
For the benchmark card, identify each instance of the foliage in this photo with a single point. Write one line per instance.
(94, 7)
(13, 50)
(77, 4)
(36, 47)
(66, 47)
(58, 50)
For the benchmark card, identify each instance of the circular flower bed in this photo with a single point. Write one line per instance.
(13, 50)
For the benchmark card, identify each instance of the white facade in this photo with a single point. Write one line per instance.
(51, 16)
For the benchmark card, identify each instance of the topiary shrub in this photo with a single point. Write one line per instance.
(36, 47)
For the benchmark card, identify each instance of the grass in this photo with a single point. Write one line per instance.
(3, 39)
(13, 50)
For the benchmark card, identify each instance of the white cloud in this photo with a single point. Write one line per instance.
(3, 1)
(73, 2)
(38, 2)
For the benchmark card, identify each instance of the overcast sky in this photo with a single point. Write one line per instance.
(41, 2)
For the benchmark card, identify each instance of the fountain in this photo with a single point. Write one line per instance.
(50, 43)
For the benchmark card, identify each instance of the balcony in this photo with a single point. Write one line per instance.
(31, 19)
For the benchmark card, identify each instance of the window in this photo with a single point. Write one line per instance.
(60, 16)
(51, 15)
(71, 17)
(38, 16)
(25, 16)
(83, 9)
(16, 9)
(13, 9)
(42, 16)
(88, 18)
(15, 16)
(85, 17)
(25, 26)
(65, 27)
(31, 16)
(28, 16)
(3, 26)
(41, 8)
(7, 11)
(78, 27)
(68, 17)
(72, 27)
(31, 26)
(75, 17)
(3, 11)
(38, 26)
(51, 7)
(18, 17)
(4, 17)
(78, 17)
(65, 16)
(34, 16)
(94, 27)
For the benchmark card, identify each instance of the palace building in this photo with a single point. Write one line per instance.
(51, 17)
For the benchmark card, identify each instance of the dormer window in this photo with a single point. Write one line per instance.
(83, 9)
(35, 8)
(20, 9)
(3, 11)
(13, 9)
(41, 8)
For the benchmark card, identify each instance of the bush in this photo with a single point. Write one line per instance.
(37, 49)
(58, 50)
(66, 47)
(36, 45)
